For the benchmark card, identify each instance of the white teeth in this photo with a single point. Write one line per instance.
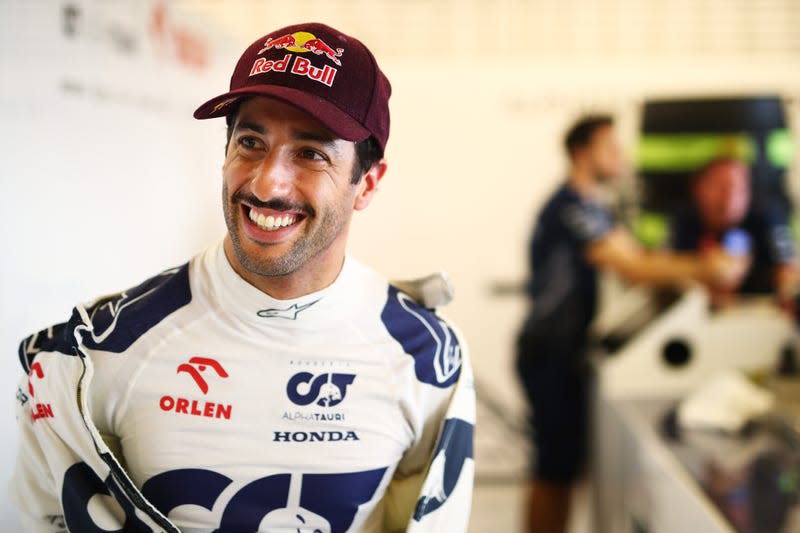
(270, 223)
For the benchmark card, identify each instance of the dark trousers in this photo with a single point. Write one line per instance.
(555, 375)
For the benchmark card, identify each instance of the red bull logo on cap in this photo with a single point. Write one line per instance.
(302, 42)
(299, 42)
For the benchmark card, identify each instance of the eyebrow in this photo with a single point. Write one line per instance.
(317, 136)
(322, 137)
(250, 126)
(300, 135)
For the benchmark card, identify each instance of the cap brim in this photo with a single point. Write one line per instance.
(333, 118)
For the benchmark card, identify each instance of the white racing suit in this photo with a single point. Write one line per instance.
(194, 402)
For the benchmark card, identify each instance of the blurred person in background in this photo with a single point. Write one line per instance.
(575, 238)
(724, 214)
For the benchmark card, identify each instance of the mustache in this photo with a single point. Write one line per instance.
(277, 204)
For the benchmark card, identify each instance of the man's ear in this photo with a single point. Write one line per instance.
(369, 185)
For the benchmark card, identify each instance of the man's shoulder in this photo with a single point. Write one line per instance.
(564, 205)
(559, 199)
(120, 319)
(112, 323)
(575, 219)
(405, 314)
(425, 336)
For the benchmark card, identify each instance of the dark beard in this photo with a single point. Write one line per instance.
(320, 230)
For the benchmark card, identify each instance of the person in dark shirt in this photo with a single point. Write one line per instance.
(724, 214)
(575, 237)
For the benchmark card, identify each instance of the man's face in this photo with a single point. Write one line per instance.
(287, 191)
(722, 195)
(605, 154)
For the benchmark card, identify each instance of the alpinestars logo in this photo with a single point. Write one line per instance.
(106, 315)
(290, 313)
(196, 368)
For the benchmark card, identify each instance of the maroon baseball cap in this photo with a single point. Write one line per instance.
(331, 76)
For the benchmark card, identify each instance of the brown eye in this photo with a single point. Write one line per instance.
(311, 155)
(248, 142)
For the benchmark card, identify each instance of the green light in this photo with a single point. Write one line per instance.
(689, 152)
(780, 148)
(651, 229)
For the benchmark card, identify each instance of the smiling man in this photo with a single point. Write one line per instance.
(289, 191)
(272, 383)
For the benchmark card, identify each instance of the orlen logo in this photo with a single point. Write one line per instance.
(197, 365)
(195, 368)
(302, 42)
(39, 410)
(36, 370)
(327, 390)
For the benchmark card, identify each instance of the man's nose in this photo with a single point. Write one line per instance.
(273, 178)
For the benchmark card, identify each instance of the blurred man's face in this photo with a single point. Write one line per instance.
(722, 195)
(605, 154)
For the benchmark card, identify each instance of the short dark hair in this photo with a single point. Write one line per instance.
(581, 132)
(368, 152)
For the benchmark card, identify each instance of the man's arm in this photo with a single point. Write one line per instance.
(32, 487)
(432, 487)
(428, 488)
(617, 251)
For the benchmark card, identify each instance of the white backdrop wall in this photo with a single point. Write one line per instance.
(107, 179)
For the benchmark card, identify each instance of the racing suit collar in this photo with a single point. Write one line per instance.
(257, 306)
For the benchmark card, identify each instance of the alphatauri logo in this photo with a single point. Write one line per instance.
(326, 390)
